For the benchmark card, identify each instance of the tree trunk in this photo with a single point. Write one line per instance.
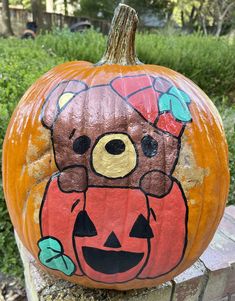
(203, 23)
(222, 13)
(66, 7)
(37, 12)
(182, 18)
(219, 27)
(6, 21)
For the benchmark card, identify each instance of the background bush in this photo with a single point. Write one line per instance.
(209, 62)
(21, 63)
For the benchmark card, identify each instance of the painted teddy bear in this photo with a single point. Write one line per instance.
(114, 212)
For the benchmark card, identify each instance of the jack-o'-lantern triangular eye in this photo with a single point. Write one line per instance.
(141, 228)
(84, 226)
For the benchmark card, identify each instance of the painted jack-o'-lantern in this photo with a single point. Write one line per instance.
(121, 174)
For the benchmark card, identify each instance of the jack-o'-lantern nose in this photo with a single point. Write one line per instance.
(112, 241)
(114, 155)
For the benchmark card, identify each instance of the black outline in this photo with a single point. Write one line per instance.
(148, 239)
(75, 204)
(72, 134)
(149, 210)
(153, 214)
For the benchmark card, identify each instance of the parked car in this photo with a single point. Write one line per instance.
(80, 26)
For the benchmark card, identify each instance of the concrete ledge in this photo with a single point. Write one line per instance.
(211, 278)
(11, 289)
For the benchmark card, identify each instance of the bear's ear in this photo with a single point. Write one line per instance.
(58, 98)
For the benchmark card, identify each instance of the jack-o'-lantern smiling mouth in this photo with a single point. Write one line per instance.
(110, 262)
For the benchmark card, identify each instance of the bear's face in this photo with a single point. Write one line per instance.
(114, 145)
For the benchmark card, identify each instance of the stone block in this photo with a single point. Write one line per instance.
(219, 259)
(230, 289)
(190, 284)
(224, 299)
(215, 288)
(230, 210)
(232, 297)
(159, 293)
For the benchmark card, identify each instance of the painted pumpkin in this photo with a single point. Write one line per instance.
(115, 174)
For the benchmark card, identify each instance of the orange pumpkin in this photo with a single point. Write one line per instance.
(115, 174)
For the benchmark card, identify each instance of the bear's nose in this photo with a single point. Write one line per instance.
(114, 155)
(115, 147)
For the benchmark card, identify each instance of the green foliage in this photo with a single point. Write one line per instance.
(9, 262)
(227, 113)
(153, 6)
(87, 46)
(104, 8)
(207, 61)
(21, 63)
(98, 8)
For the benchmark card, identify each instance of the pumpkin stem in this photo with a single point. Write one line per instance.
(121, 39)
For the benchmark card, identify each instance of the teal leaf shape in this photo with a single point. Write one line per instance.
(52, 256)
(176, 101)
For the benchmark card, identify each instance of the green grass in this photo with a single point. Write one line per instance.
(207, 61)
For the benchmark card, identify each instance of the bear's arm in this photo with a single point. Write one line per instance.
(156, 183)
(73, 179)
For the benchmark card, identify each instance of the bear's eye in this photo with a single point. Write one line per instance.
(81, 144)
(149, 146)
(141, 228)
